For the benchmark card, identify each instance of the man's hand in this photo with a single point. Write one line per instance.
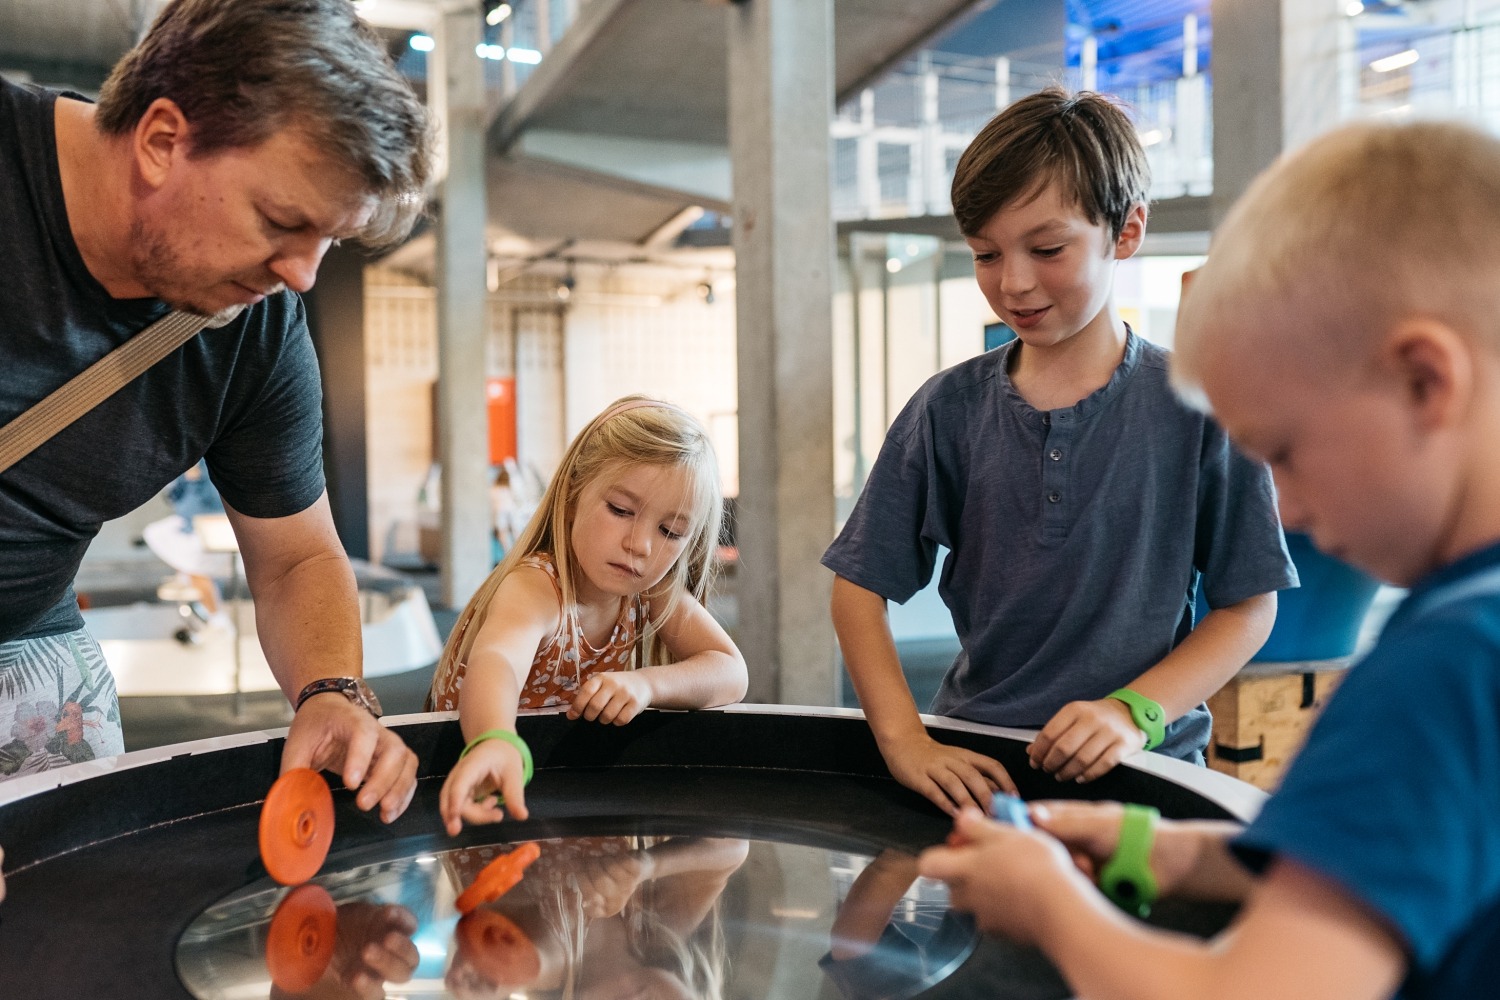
(468, 793)
(951, 777)
(331, 733)
(1086, 739)
(614, 696)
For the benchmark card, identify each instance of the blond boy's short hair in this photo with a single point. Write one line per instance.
(1360, 228)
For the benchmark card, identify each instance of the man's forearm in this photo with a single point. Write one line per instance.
(309, 622)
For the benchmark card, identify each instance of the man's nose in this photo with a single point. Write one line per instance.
(297, 263)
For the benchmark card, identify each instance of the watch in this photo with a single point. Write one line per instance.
(353, 688)
(1148, 715)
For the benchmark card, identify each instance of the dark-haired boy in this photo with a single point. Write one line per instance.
(1080, 500)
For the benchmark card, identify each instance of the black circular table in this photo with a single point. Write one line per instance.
(109, 863)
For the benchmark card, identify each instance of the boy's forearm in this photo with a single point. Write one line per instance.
(1210, 656)
(1193, 856)
(869, 650)
(1105, 955)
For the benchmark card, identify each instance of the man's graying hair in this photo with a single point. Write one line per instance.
(243, 70)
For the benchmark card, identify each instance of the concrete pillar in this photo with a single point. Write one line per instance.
(780, 107)
(463, 443)
(1277, 83)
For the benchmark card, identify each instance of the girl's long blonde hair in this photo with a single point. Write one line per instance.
(634, 430)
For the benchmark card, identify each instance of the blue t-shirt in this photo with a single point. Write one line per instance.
(1396, 794)
(246, 396)
(1076, 536)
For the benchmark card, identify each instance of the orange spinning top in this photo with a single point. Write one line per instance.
(299, 943)
(498, 877)
(296, 826)
(497, 949)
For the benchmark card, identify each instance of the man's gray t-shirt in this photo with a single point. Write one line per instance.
(1077, 536)
(247, 396)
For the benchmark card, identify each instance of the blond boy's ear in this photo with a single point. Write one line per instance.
(1131, 233)
(1434, 370)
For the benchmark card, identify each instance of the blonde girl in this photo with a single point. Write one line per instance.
(598, 606)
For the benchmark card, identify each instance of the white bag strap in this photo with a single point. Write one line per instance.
(96, 383)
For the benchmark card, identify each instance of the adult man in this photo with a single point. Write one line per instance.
(227, 151)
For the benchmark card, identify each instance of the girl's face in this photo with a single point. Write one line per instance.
(630, 526)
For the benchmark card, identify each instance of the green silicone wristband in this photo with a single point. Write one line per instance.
(1126, 877)
(509, 737)
(1149, 717)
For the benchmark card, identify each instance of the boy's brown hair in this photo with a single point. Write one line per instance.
(1083, 141)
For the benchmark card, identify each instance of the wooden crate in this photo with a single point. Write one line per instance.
(1262, 717)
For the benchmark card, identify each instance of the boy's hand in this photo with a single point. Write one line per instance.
(614, 696)
(1000, 873)
(468, 795)
(1091, 832)
(951, 777)
(1086, 739)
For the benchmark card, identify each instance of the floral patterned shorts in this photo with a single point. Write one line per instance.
(57, 704)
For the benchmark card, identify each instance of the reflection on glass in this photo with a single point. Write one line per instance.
(594, 918)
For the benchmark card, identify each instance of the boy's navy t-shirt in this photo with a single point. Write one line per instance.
(1396, 794)
(247, 396)
(1077, 536)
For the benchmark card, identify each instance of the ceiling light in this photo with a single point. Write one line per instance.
(422, 43)
(497, 15)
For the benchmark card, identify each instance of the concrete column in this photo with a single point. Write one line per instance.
(1277, 83)
(463, 444)
(780, 107)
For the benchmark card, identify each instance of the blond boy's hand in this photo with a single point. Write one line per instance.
(951, 777)
(1091, 832)
(468, 796)
(1086, 739)
(612, 697)
(1000, 873)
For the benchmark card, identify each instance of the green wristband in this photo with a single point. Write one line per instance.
(509, 737)
(1149, 717)
(1126, 877)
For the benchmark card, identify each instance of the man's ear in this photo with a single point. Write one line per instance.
(1131, 233)
(1434, 370)
(159, 140)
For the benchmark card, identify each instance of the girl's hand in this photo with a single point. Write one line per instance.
(468, 795)
(1000, 873)
(612, 697)
(608, 882)
(1086, 739)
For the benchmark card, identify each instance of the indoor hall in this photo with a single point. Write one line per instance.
(741, 209)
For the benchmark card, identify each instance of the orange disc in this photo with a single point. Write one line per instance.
(299, 943)
(497, 949)
(498, 877)
(296, 826)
